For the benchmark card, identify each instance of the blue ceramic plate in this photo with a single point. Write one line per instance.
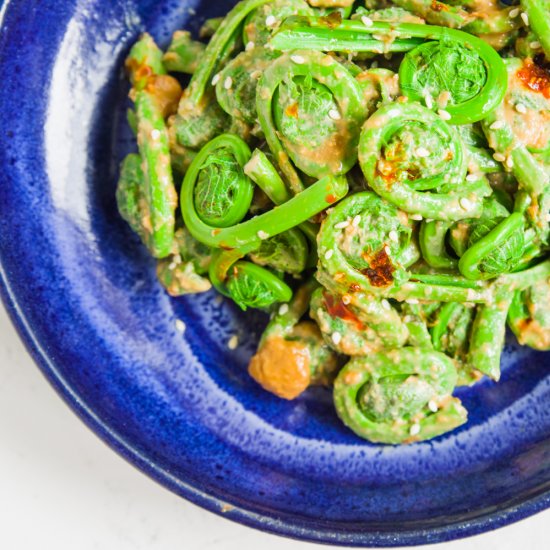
(181, 407)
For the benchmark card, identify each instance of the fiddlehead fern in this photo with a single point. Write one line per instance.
(496, 246)
(538, 16)
(292, 355)
(363, 245)
(153, 94)
(184, 271)
(356, 327)
(310, 109)
(243, 73)
(287, 252)
(183, 54)
(416, 161)
(529, 316)
(399, 396)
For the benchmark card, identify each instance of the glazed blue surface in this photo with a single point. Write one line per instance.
(83, 295)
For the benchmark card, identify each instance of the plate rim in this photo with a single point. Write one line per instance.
(255, 519)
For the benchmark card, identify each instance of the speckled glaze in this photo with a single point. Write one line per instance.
(181, 407)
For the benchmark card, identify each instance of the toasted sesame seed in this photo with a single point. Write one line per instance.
(499, 157)
(472, 177)
(429, 101)
(387, 250)
(514, 13)
(228, 83)
(233, 342)
(356, 220)
(346, 300)
(422, 152)
(385, 304)
(298, 59)
(283, 309)
(180, 326)
(367, 21)
(417, 217)
(444, 115)
(336, 338)
(432, 405)
(525, 18)
(155, 135)
(270, 21)
(521, 108)
(341, 225)
(329, 254)
(497, 125)
(263, 235)
(334, 114)
(250, 46)
(465, 203)
(393, 236)
(510, 162)
(216, 79)
(415, 429)
(535, 45)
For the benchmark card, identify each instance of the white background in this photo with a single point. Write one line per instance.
(61, 488)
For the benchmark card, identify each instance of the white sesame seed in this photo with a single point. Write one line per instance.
(444, 115)
(535, 45)
(525, 18)
(499, 158)
(429, 101)
(233, 342)
(283, 309)
(465, 203)
(180, 326)
(263, 235)
(341, 225)
(367, 21)
(432, 405)
(444, 98)
(415, 429)
(413, 302)
(155, 135)
(510, 162)
(336, 338)
(346, 300)
(497, 125)
(228, 83)
(385, 304)
(387, 250)
(417, 217)
(216, 79)
(472, 177)
(422, 152)
(514, 13)
(334, 114)
(298, 59)
(521, 108)
(329, 254)
(393, 236)
(172, 266)
(270, 21)
(250, 46)
(356, 220)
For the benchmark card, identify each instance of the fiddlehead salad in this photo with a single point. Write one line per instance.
(377, 179)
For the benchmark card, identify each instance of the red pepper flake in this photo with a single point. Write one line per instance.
(331, 199)
(380, 270)
(535, 78)
(292, 110)
(339, 309)
(439, 6)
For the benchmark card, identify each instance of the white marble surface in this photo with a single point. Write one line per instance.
(61, 488)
